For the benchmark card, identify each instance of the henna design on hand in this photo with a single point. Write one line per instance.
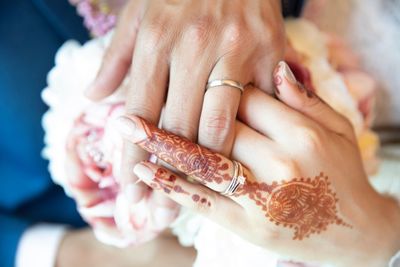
(186, 156)
(306, 205)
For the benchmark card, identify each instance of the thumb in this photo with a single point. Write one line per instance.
(302, 99)
(118, 56)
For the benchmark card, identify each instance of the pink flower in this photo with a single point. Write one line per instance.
(94, 154)
(99, 18)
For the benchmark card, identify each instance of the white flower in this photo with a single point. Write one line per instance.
(75, 68)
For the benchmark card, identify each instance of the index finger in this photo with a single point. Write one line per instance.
(207, 167)
(118, 56)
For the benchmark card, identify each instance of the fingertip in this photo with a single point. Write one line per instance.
(144, 171)
(289, 90)
(132, 128)
(108, 79)
(125, 125)
(97, 90)
(284, 78)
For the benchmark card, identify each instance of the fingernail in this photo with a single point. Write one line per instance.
(287, 73)
(125, 126)
(133, 193)
(143, 172)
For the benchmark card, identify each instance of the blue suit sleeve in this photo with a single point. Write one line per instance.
(26, 193)
(11, 230)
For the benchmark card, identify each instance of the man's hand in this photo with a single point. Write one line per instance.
(81, 249)
(174, 48)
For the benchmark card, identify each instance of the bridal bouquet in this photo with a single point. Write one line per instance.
(84, 149)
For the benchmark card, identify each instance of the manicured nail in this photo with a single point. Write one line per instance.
(287, 73)
(125, 126)
(133, 193)
(144, 172)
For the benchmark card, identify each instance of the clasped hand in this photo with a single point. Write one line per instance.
(306, 194)
(173, 48)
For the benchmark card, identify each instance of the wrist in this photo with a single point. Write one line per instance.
(374, 236)
(394, 234)
(385, 232)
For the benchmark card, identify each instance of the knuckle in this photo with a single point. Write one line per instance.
(199, 29)
(276, 37)
(153, 36)
(180, 127)
(234, 33)
(216, 128)
(271, 43)
(287, 167)
(310, 138)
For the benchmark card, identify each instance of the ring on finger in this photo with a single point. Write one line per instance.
(238, 179)
(225, 82)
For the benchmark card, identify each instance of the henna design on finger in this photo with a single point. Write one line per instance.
(187, 157)
(306, 205)
(203, 200)
(303, 89)
(165, 181)
(277, 79)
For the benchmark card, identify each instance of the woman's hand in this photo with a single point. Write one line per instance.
(306, 195)
(180, 46)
